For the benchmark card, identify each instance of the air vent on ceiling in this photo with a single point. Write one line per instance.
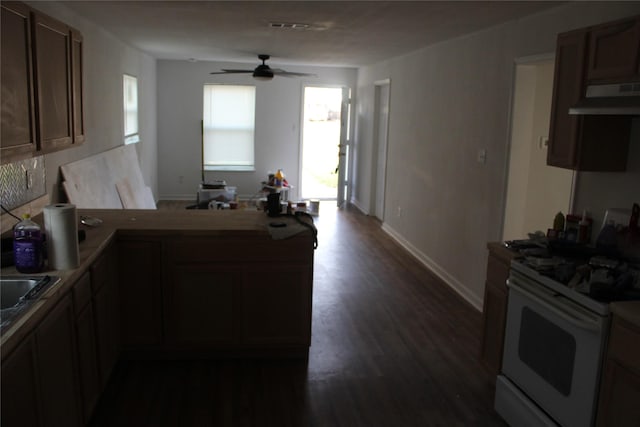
(289, 25)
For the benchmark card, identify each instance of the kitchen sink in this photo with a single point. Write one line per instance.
(18, 292)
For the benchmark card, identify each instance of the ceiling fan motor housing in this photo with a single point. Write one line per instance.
(263, 71)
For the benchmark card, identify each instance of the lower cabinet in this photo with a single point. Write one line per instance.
(90, 382)
(106, 311)
(19, 388)
(192, 296)
(198, 305)
(241, 294)
(620, 385)
(494, 310)
(140, 289)
(40, 379)
(276, 305)
(56, 365)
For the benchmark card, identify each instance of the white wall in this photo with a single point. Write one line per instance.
(277, 134)
(105, 60)
(447, 102)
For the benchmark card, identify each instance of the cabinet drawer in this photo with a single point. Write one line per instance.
(82, 292)
(624, 343)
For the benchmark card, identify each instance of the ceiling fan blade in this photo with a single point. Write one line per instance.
(284, 73)
(232, 71)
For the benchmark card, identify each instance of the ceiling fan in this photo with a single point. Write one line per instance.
(263, 71)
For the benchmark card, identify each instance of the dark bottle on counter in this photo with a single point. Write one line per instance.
(27, 246)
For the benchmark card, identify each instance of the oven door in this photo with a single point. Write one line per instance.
(552, 351)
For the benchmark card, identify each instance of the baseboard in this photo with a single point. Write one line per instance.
(436, 269)
(357, 204)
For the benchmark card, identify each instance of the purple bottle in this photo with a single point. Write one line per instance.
(27, 246)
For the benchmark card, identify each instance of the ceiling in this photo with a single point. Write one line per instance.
(337, 33)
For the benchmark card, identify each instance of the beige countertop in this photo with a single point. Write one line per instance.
(148, 223)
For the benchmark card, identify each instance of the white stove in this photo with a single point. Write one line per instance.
(555, 337)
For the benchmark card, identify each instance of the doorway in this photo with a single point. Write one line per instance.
(321, 142)
(380, 136)
(535, 192)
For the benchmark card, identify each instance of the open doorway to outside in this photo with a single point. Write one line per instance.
(535, 192)
(322, 133)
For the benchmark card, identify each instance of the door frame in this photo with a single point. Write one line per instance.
(345, 138)
(517, 62)
(378, 194)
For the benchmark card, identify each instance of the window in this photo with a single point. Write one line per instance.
(228, 128)
(130, 95)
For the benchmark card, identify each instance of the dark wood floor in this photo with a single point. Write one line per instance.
(391, 346)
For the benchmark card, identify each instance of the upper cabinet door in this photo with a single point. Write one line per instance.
(567, 90)
(18, 121)
(614, 51)
(52, 63)
(77, 87)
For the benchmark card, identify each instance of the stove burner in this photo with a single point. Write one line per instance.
(600, 277)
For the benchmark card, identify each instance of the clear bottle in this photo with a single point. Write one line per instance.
(27, 246)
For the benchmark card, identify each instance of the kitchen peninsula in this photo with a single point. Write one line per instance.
(156, 284)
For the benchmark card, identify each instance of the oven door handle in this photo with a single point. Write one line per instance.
(574, 318)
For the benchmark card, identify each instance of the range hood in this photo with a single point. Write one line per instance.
(622, 99)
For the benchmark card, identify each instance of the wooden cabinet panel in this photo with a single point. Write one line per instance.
(494, 317)
(19, 388)
(140, 292)
(219, 296)
(81, 292)
(18, 139)
(199, 305)
(567, 91)
(494, 310)
(77, 86)
(90, 381)
(52, 67)
(620, 386)
(106, 311)
(586, 143)
(56, 361)
(614, 51)
(620, 394)
(276, 305)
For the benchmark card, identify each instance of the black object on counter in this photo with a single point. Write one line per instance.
(273, 204)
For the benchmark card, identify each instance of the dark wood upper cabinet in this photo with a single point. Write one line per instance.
(52, 69)
(77, 87)
(614, 51)
(601, 54)
(18, 140)
(567, 90)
